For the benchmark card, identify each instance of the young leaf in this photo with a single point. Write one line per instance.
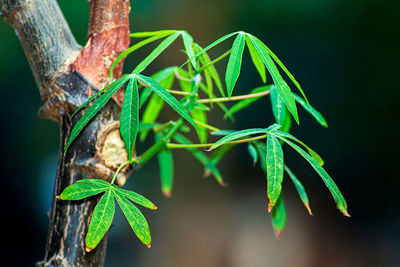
(253, 153)
(93, 109)
(166, 164)
(279, 217)
(188, 43)
(248, 101)
(237, 135)
(156, 52)
(274, 162)
(135, 197)
(300, 189)
(234, 63)
(257, 61)
(278, 106)
(178, 107)
(135, 219)
(81, 190)
(318, 117)
(200, 115)
(339, 199)
(101, 220)
(151, 33)
(281, 86)
(129, 119)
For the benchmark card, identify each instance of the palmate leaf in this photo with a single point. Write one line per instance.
(236, 135)
(281, 86)
(234, 63)
(94, 108)
(278, 106)
(253, 153)
(300, 189)
(247, 102)
(278, 217)
(156, 52)
(94, 181)
(166, 165)
(274, 163)
(135, 197)
(83, 189)
(318, 117)
(178, 107)
(101, 220)
(135, 218)
(339, 199)
(129, 119)
(257, 60)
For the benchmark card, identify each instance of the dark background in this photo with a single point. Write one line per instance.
(345, 55)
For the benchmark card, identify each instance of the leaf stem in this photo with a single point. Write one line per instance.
(176, 92)
(207, 126)
(119, 170)
(233, 98)
(179, 77)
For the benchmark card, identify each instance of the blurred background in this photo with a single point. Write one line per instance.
(345, 55)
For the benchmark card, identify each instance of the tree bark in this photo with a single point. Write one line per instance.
(67, 75)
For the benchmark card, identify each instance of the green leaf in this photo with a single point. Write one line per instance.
(81, 190)
(134, 48)
(234, 63)
(94, 181)
(262, 154)
(151, 33)
(300, 189)
(135, 219)
(151, 113)
(156, 52)
(278, 106)
(278, 217)
(201, 116)
(129, 119)
(318, 117)
(339, 199)
(93, 109)
(248, 101)
(236, 135)
(287, 122)
(281, 86)
(257, 61)
(101, 220)
(188, 43)
(310, 151)
(253, 153)
(135, 197)
(274, 161)
(178, 107)
(166, 164)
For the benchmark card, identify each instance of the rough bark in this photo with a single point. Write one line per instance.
(67, 75)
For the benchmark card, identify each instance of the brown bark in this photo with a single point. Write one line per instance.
(66, 75)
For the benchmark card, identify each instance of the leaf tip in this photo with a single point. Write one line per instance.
(277, 234)
(207, 174)
(155, 207)
(167, 194)
(223, 184)
(148, 245)
(88, 249)
(308, 208)
(345, 213)
(58, 197)
(270, 207)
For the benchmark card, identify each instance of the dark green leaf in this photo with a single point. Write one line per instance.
(234, 63)
(166, 165)
(278, 217)
(318, 117)
(274, 162)
(236, 135)
(200, 115)
(94, 181)
(300, 189)
(262, 154)
(151, 113)
(257, 60)
(101, 220)
(278, 106)
(135, 197)
(253, 153)
(81, 190)
(135, 219)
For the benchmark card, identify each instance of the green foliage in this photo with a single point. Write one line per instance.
(147, 95)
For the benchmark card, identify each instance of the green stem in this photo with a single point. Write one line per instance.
(176, 92)
(233, 98)
(215, 60)
(205, 125)
(119, 170)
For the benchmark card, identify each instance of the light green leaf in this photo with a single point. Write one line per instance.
(274, 161)
(135, 197)
(278, 217)
(156, 52)
(339, 199)
(248, 101)
(300, 189)
(318, 117)
(310, 151)
(151, 33)
(93, 109)
(178, 107)
(253, 153)
(135, 219)
(129, 119)
(278, 106)
(101, 220)
(81, 190)
(166, 165)
(257, 61)
(134, 48)
(281, 86)
(234, 63)
(287, 122)
(200, 115)
(236, 135)
(188, 43)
